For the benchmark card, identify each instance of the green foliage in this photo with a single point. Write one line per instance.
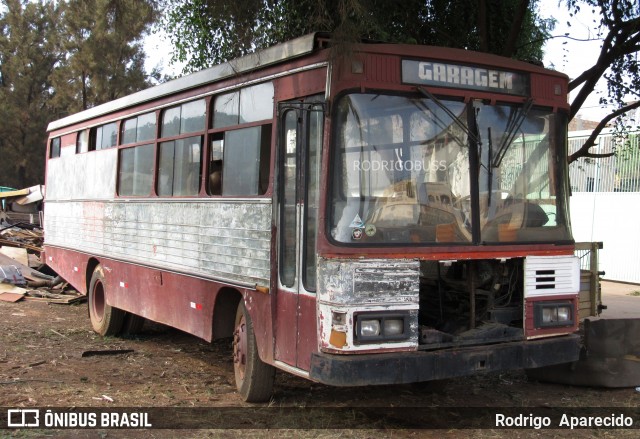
(619, 29)
(207, 32)
(103, 45)
(57, 58)
(28, 55)
(616, 64)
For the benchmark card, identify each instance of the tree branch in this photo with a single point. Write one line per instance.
(619, 42)
(516, 28)
(591, 141)
(482, 25)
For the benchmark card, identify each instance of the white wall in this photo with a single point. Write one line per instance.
(614, 219)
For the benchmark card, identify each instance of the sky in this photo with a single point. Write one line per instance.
(563, 54)
(573, 57)
(158, 50)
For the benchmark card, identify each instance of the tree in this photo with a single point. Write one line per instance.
(104, 58)
(207, 32)
(57, 58)
(28, 54)
(617, 64)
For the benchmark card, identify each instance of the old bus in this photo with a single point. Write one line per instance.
(395, 215)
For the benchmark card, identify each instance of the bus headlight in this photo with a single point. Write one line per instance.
(564, 313)
(370, 328)
(381, 327)
(550, 314)
(393, 326)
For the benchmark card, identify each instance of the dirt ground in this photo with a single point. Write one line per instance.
(42, 364)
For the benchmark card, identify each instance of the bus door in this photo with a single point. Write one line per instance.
(301, 128)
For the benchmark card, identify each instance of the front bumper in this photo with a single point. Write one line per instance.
(411, 367)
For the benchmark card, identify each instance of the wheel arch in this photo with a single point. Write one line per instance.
(92, 263)
(224, 312)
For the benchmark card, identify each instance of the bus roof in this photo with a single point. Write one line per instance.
(272, 55)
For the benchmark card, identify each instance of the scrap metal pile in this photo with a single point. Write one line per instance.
(22, 272)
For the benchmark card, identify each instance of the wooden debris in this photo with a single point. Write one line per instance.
(11, 293)
(106, 352)
(66, 297)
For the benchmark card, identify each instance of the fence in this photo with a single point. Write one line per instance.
(619, 173)
(605, 202)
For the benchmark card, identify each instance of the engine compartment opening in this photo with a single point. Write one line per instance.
(471, 302)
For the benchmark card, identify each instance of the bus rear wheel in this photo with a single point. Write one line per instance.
(105, 319)
(254, 378)
(132, 324)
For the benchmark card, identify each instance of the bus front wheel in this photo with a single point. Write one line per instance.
(254, 378)
(105, 319)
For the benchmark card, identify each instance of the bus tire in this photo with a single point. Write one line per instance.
(254, 378)
(105, 319)
(132, 324)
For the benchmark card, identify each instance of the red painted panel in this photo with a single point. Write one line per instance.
(307, 330)
(300, 85)
(72, 266)
(177, 300)
(382, 69)
(286, 323)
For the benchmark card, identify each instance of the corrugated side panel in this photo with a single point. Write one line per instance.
(551, 275)
(225, 240)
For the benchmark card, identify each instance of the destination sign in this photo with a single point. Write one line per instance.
(464, 76)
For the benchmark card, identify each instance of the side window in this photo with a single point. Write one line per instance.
(239, 156)
(82, 141)
(54, 148)
(179, 160)
(179, 167)
(135, 171)
(138, 129)
(245, 150)
(136, 164)
(216, 150)
(251, 104)
(185, 118)
(103, 137)
(226, 109)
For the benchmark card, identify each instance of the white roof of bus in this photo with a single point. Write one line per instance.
(290, 49)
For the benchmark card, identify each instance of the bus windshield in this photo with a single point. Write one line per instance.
(402, 172)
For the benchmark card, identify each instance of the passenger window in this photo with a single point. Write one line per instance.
(179, 167)
(215, 164)
(239, 157)
(226, 110)
(82, 141)
(54, 150)
(103, 137)
(138, 129)
(250, 104)
(186, 118)
(239, 161)
(135, 171)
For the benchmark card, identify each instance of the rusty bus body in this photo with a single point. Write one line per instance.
(393, 216)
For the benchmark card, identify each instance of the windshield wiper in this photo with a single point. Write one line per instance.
(450, 113)
(511, 131)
